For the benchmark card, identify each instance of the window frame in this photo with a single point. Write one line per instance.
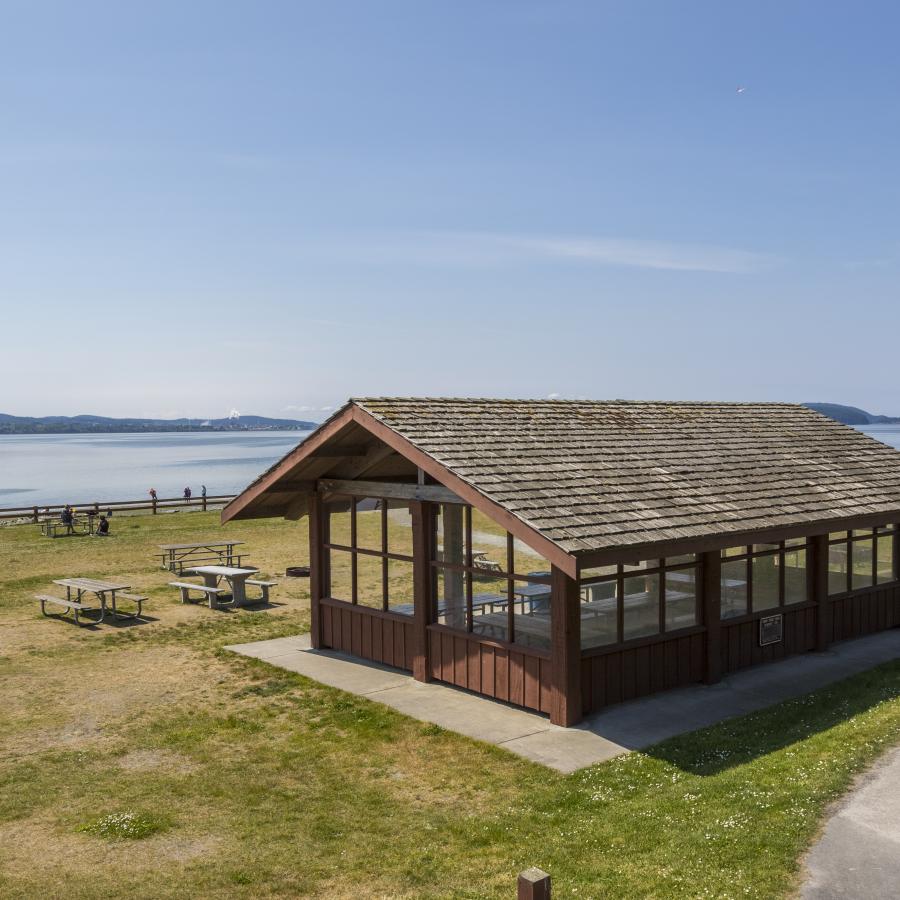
(469, 570)
(355, 551)
(661, 569)
(873, 534)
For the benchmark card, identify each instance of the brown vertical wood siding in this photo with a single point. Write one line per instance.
(864, 612)
(740, 640)
(505, 672)
(624, 673)
(383, 637)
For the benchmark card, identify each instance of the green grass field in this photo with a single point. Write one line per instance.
(146, 761)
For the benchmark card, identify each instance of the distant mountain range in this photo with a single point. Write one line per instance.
(105, 425)
(851, 415)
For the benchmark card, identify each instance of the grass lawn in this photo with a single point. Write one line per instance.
(146, 761)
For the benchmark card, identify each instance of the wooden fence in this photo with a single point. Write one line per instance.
(51, 511)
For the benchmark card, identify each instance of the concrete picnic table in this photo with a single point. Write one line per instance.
(235, 577)
(95, 586)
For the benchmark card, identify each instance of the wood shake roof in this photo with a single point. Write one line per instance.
(592, 475)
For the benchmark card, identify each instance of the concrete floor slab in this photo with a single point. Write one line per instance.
(618, 730)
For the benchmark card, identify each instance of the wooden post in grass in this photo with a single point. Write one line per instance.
(35, 516)
(712, 615)
(534, 884)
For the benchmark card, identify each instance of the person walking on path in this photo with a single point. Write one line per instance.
(203, 491)
(187, 495)
(152, 493)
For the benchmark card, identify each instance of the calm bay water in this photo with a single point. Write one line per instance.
(81, 468)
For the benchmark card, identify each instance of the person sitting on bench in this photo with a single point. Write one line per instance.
(102, 527)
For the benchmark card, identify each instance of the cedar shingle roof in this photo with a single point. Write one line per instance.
(594, 475)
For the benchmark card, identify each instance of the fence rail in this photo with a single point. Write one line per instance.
(51, 510)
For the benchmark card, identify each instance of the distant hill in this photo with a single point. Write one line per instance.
(851, 415)
(105, 425)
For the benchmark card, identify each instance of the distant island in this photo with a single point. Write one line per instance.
(104, 425)
(851, 415)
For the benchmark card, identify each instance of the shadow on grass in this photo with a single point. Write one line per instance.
(738, 741)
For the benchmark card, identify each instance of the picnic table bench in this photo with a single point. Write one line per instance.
(178, 557)
(186, 587)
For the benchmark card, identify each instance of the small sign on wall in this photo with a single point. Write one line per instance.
(770, 629)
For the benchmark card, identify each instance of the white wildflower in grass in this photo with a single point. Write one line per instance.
(123, 826)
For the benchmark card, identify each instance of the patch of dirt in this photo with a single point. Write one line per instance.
(88, 697)
(27, 840)
(173, 763)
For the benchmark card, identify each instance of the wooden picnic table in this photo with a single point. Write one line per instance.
(236, 578)
(102, 589)
(177, 557)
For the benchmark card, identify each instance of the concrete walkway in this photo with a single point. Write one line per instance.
(858, 855)
(628, 726)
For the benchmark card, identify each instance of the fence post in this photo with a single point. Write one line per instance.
(35, 516)
(97, 507)
(204, 503)
(534, 884)
(153, 501)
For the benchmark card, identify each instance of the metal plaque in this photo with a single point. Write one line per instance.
(770, 629)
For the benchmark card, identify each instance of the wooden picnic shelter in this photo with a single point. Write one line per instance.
(567, 555)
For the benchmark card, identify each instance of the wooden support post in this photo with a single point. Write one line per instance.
(203, 501)
(817, 575)
(421, 519)
(36, 515)
(533, 884)
(711, 565)
(315, 569)
(154, 505)
(454, 581)
(565, 649)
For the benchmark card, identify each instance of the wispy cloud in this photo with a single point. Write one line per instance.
(497, 249)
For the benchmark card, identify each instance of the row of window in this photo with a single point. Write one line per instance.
(486, 582)
(860, 559)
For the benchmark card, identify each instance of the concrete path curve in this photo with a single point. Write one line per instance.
(858, 855)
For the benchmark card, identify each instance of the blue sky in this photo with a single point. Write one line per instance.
(272, 206)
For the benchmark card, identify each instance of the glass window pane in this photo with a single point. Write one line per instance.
(400, 587)
(838, 536)
(766, 548)
(734, 551)
(400, 530)
(862, 532)
(681, 599)
(599, 614)
(862, 564)
(641, 606)
(885, 558)
(341, 587)
(450, 596)
(765, 582)
(795, 576)
(837, 568)
(337, 512)
(529, 562)
(369, 581)
(642, 564)
(734, 589)
(368, 523)
(531, 608)
(488, 544)
(490, 608)
(795, 542)
(598, 572)
(450, 543)
(684, 559)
